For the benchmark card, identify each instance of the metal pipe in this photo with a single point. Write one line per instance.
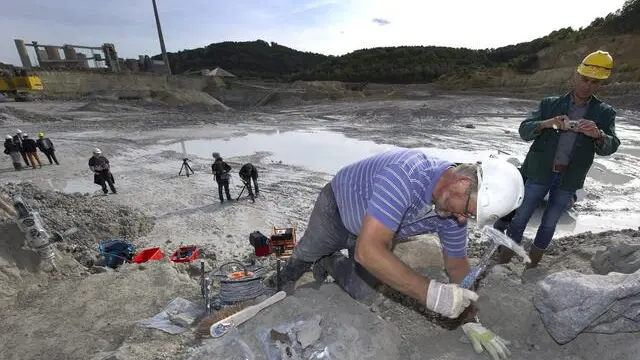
(73, 46)
(278, 275)
(164, 50)
(202, 277)
(22, 52)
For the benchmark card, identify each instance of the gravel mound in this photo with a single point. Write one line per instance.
(95, 217)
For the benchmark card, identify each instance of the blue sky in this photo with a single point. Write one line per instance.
(324, 26)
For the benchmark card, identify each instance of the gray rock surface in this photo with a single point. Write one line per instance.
(349, 329)
(570, 303)
(623, 258)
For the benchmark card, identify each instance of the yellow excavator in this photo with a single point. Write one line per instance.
(19, 84)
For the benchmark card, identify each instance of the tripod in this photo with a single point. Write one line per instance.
(246, 185)
(185, 167)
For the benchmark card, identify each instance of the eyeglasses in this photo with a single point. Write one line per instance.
(466, 213)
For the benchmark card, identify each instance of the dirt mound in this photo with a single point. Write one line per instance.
(27, 116)
(98, 106)
(20, 265)
(95, 316)
(96, 218)
(191, 99)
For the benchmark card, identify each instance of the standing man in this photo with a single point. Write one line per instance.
(46, 146)
(395, 195)
(31, 149)
(247, 173)
(220, 170)
(101, 168)
(567, 131)
(17, 138)
(12, 149)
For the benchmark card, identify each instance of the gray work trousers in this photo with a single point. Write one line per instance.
(323, 241)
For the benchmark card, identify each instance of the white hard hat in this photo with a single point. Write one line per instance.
(18, 131)
(500, 190)
(9, 137)
(25, 135)
(97, 151)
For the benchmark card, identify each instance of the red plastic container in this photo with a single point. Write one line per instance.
(263, 250)
(148, 254)
(185, 254)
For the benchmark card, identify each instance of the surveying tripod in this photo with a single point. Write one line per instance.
(246, 184)
(185, 167)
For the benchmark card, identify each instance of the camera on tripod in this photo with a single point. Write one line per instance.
(185, 167)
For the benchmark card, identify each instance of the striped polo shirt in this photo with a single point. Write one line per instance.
(395, 187)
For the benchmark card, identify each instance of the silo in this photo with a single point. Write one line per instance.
(85, 62)
(132, 65)
(43, 54)
(69, 52)
(52, 52)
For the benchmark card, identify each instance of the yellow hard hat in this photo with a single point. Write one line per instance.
(596, 65)
(41, 134)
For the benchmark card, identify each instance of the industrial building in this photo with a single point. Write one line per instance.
(99, 58)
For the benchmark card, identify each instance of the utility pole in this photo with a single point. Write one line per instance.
(164, 50)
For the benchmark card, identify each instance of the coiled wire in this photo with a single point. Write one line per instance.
(238, 290)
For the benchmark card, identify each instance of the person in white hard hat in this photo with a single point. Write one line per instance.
(396, 195)
(12, 148)
(99, 164)
(17, 138)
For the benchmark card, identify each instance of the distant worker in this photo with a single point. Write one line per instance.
(31, 149)
(17, 138)
(567, 131)
(101, 168)
(12, 149)
(220, 170)
(46, 146)
(247, 173)
(396, 195)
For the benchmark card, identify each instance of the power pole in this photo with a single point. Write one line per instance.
(164, 50)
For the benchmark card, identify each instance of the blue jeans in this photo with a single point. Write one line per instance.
(534, 193)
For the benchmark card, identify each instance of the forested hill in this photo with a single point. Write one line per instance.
(402, 64)
(251, 58)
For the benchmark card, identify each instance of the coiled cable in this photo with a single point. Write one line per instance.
(248, 286)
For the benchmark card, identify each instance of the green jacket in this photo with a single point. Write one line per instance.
(538, 164)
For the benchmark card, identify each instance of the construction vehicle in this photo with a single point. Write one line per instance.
(19, 84)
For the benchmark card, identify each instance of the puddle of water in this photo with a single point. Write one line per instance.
(318, 150)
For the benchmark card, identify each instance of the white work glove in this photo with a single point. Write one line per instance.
(481, 337)
(449, 300)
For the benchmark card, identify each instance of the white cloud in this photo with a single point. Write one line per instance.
(458, 23)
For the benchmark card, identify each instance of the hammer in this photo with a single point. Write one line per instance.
(496, 238)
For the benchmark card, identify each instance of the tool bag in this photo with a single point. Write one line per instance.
(116, 251)
(260, 243)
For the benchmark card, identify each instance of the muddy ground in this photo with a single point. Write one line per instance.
(89, 312)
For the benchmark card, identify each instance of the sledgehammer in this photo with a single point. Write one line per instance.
(496, 238)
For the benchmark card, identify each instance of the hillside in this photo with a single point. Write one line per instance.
(250, 59)
(543, 61)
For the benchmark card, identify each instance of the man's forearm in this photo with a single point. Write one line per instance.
(458, 272)
(383, 264)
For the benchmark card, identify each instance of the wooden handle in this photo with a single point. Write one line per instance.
(246, 314)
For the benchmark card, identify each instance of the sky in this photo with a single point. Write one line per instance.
(331, 27)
